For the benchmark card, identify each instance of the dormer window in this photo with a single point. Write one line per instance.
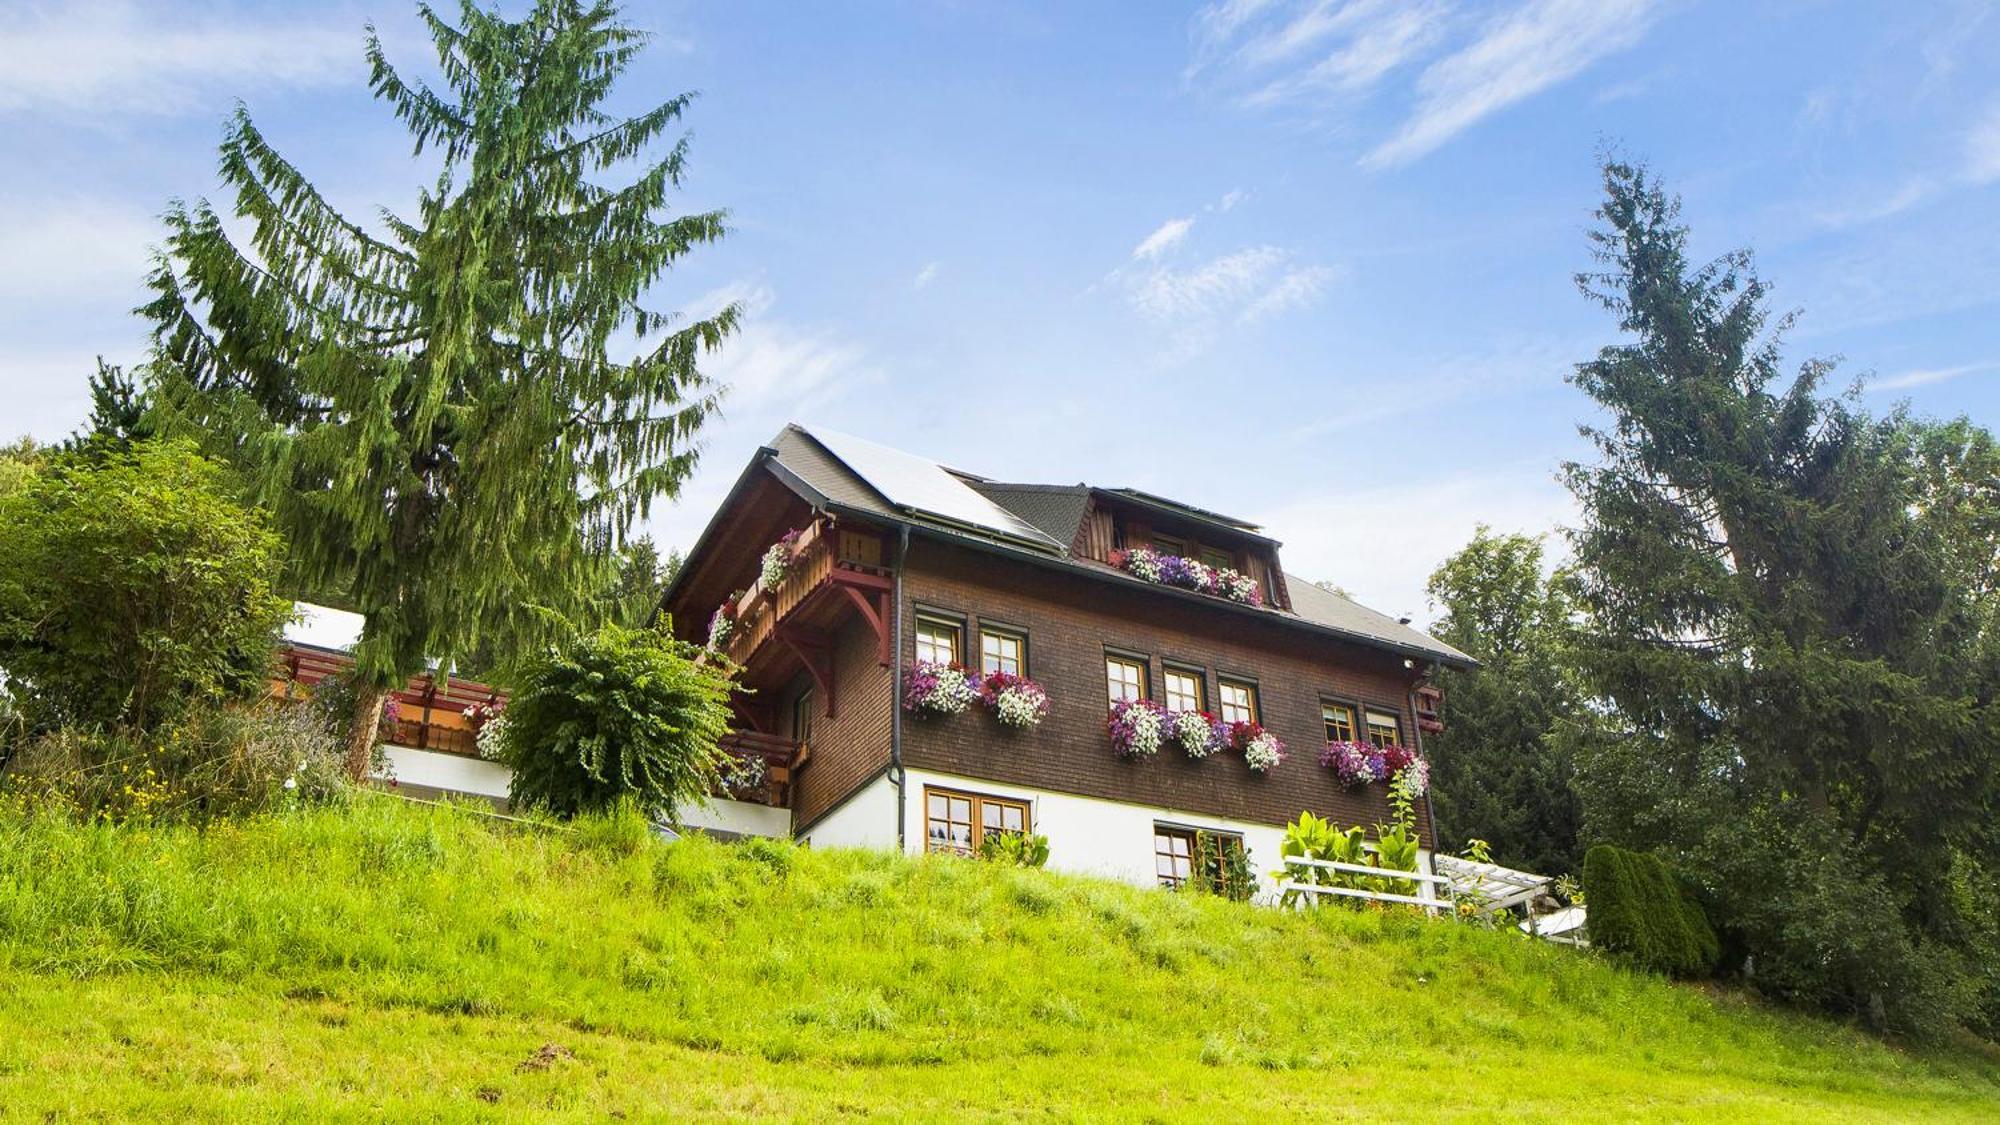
(1219, 559)
(1168, 545)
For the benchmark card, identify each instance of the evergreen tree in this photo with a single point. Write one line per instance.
(117, 411)
(1788, 628)
(460, 418)
(1500, 775)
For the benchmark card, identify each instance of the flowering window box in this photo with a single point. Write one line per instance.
(1358, 763)
(930, 688)
(1139, 727)
(1260, 748)
(1187, 574)
(1016, 701)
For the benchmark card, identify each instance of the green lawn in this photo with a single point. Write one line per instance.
(415, 962)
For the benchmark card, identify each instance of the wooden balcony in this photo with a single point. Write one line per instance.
(835, 571)
(781, 757)
(1430, 709)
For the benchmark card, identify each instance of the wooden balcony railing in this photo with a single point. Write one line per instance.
(821, 549)
(781, 758)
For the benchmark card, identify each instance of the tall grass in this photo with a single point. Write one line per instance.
(798, 959)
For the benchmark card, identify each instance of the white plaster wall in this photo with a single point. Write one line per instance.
(744, 818)
(457, 773)
(454, 772)
(1096, 837)
(866, 820)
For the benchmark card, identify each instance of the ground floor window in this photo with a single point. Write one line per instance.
(960, 822)
(1198, 859)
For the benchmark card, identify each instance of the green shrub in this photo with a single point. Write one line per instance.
(1641, 913)
(622, 713)
(211, 763)
(1016, 848)
(133, 586)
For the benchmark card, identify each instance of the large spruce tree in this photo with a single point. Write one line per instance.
(1788, 626)
(456, 416)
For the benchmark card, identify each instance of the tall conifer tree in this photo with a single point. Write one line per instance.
(457, 417)
(1787, 610)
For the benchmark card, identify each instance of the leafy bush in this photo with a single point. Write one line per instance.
(1640, 912)
(132, 586)
(207, 764)
(1016, 848)
(620, 713)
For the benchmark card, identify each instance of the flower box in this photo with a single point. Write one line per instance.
(930, 688)
(1016, 701)
(1187, 574)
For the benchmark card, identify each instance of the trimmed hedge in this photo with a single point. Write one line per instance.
(1641, 913)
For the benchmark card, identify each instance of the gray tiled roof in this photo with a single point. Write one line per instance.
(1324, 607)
(1058, 510)
(1055, 508)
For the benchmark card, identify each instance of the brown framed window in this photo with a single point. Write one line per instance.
(1178, 857)
(1220, 560)
(938, 640)
(1238, 699)
(1185, 689)
(1002, 650)
(1385, 728)
(1339, 721)
(802, 718)
(958, 822)
(1125, 676)
(1168, 545)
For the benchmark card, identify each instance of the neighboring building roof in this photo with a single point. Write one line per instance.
(1038, 521)
(318, 626)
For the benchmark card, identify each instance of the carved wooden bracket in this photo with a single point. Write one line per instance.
(815, 651)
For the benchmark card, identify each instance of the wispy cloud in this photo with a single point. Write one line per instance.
(1231, 199)
(925, 276)
(1164, 238)
(125, 58)
(1294, 288)
(1197, 297)
(1982, 148)
(58, 248)
(1333, 56)
(773, 365)
(1922, 377)
(1518, 55)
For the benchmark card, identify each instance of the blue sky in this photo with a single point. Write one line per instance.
(1307, 263)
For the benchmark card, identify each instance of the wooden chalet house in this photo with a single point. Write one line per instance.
(843, 570)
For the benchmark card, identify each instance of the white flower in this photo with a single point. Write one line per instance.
(488, 740)
(1195, 732)
(1018, 707)
(777, 560)
(1263, 751)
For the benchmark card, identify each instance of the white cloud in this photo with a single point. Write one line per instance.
(1330, 57)
(1211, 287)
(1230, 199)
(770, 365)
(56, 248)
(1982, 149)
(925, 276)
(1533, 48)
(1167, 236)
(1920, 377)
(123, 58)
(1295, 289)
(1431, 520)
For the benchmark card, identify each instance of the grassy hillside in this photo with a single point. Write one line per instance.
(419, 962)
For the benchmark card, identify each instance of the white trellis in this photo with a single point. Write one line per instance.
(1492, 889)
